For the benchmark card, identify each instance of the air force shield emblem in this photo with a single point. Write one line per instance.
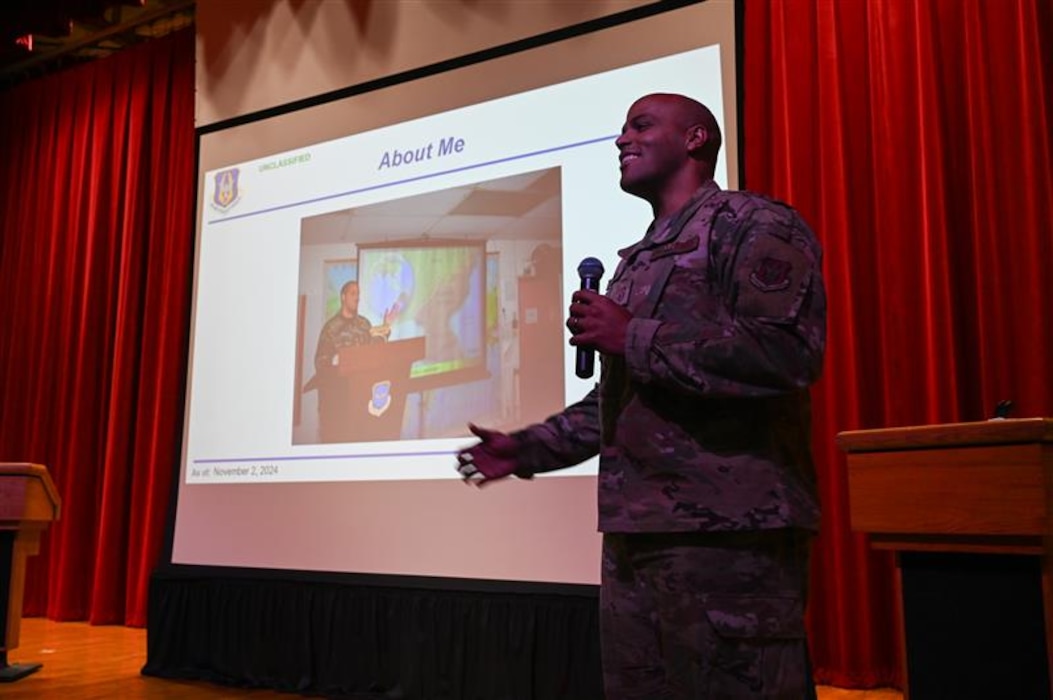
(381, 399)
(225, 191)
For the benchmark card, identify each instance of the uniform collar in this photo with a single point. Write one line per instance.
(668, 228)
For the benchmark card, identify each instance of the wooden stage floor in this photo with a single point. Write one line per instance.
(82, 662)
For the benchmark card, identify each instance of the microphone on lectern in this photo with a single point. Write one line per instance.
(590, 270)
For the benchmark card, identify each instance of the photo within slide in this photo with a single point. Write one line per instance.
(424, 314)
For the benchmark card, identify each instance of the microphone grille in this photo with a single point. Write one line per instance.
(590, 268)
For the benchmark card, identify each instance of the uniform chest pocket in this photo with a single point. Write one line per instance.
(619, 290)
(691, 302)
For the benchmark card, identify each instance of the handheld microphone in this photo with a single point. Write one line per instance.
(590, 270)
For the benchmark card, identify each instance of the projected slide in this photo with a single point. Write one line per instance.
(460, 232)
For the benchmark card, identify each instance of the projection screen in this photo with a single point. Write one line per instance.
(452, 209)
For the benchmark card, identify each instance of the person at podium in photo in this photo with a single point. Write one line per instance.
(711, 330)
(347, 328)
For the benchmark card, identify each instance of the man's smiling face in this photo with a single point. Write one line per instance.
(652, 147)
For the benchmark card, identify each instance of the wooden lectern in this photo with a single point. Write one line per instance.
(28, 503)
(966, 507)
(376, 380)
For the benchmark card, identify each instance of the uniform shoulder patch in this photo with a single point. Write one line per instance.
(771, 274)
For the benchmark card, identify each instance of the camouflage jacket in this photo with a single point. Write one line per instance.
(340, 332)
(704, 423)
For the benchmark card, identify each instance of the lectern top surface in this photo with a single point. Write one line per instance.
(12, 472)
(989, 432)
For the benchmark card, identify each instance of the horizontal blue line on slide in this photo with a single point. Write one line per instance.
(224, 460)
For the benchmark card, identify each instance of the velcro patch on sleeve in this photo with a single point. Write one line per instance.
(773, 281)
(771, 274)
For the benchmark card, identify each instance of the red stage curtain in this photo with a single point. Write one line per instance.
(915, 136)
(97, 173)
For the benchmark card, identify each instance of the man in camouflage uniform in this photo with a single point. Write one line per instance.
(344, 330)
(711, 330)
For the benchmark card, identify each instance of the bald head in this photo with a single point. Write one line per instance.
(668, 148)
(692, 114)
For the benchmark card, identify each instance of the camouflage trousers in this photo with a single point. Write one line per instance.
(693, 616)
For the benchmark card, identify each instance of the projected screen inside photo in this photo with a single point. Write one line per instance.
(360, 300)
(434, 293)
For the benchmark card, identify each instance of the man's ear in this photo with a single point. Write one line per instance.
(696, 138)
